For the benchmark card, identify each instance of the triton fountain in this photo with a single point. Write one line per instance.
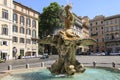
(66, 43)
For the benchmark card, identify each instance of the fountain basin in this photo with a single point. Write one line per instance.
(45, 74)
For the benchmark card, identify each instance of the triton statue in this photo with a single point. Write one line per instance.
(66, 43)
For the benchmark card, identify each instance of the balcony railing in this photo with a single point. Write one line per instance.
(111, 40)
(95, 34)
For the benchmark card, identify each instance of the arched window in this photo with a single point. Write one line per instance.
(5, 2)
(28, 21)
(34, 23)
(15, 28)
(34, 33)
(22, 30)
(21, 19)
(4, 30)
(5, 14)
(15, 16)
(28, 31)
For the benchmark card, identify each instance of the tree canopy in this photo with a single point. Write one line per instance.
(50, 19)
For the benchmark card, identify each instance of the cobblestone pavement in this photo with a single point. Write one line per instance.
(105, 61)
(87, 60)
(20, 63)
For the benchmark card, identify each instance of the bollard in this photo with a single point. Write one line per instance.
(27, 66)
(113, 64)
(94, 64)
(9, 67)
(42, 64)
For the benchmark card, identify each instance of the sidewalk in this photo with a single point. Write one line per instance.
(104, 61)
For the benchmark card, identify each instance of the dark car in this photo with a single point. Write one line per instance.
(2, 60)
(44, 56)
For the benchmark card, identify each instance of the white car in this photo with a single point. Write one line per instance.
(115, 54)
(98, 54)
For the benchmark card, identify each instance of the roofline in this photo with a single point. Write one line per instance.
(14, 2)
(112, 17)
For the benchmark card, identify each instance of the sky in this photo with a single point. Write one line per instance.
(89, 8)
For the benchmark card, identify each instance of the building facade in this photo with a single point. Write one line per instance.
(18, 30)
(25, 31)
(106, 31)
(6, 11)
(83, 32)
(112, 33)
(97, 32)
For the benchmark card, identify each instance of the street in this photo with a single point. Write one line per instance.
(105, 61)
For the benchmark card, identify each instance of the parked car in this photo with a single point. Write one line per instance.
(98, 54)
(115, 54)
(2, 60)
(44, 56)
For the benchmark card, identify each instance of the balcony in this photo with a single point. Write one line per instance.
(34, 38)
(112, 40)
(95, 34)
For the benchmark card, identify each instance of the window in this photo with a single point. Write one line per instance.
(34, 23)
(115, 20)
(96, 29)
(22, 10)
(21, 40)
(28, 12)
(22, 30)
(15, 17)
(5, 14)
(5, 43)
(102, 39)
(102, 32)
(28, 21)
(117, 27)
(111, 28)
(33, 41)
(34, 34)
(33, 14)
(22, 52)
(106, 29)
(5, 2)
(28, 41)
(101, 27)
(91, 29)
(4, 30)
(91, 24)
(15, 28)
(97, 40)
(106, 22)
(101, 22)
(111, 22)
(114, 28)
(21, 20)
(28, 31)
(96, 23)
(14, 6)
(15, 39)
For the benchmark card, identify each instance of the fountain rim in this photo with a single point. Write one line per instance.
(9, 72)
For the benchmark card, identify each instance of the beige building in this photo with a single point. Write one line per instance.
(83, 32)
(97, 33)
(6, 12)
(25, 31)
(112, 33)
(106, 31)
(18, 30)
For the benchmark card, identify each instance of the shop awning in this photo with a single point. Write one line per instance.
(3, 51)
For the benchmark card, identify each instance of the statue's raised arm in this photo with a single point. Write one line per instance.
(69, 18)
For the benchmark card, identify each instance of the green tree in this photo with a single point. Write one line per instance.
(50, 19)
